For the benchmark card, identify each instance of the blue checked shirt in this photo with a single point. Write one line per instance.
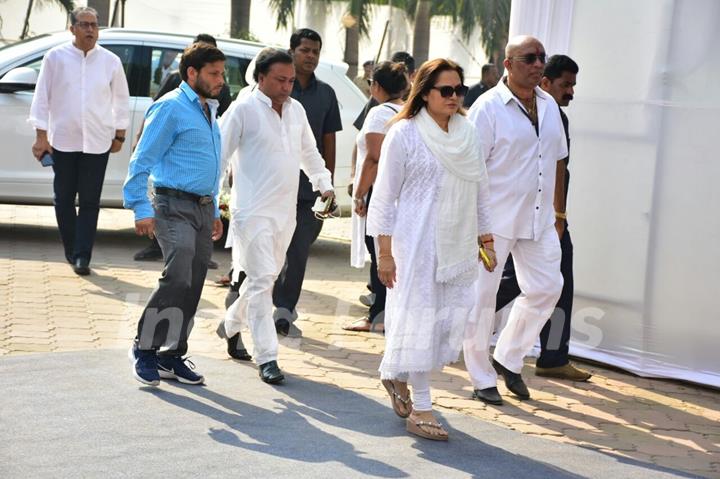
(179, 148)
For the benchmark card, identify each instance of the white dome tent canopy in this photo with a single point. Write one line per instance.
(644, 195)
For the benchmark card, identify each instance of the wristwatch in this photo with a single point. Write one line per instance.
(121, 139)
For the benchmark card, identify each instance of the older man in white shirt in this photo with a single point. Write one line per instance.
(521, 136)
(80, 114)
(271, 135)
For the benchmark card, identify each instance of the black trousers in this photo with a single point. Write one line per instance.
(286, 292)
(184, 230)
(80, 175)
(377, 310)
(555, 335)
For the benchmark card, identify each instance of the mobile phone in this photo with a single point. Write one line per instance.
(47, 160)
(484, 257)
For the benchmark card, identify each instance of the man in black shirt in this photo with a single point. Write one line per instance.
(323, 113)
(559, 81)
(489, 77)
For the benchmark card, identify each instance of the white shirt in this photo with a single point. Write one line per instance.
(520, 162)
(271, 151)
(80, 99)
(376, 121)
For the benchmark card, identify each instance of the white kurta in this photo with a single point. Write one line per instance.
(376, 121)
(424, 320)
(270, 152)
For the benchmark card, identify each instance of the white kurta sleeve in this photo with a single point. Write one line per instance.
(312, 163)
(231, 130)
(483, 209)
(386, 190)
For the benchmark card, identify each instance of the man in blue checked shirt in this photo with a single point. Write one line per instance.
(180, 151)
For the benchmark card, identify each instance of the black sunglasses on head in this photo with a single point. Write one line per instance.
(447, 90)
(531, 58)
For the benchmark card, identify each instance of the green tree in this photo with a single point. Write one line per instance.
(68, 6)
(492, 16)
(240, 19)
(356, 22)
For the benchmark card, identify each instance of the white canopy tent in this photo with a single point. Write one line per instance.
(643, 203)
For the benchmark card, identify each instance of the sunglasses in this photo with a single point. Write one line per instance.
(531, 58)
(447, 90)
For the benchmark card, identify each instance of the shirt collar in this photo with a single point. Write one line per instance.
(506, 95)
(266, 99)
(80, 52)
(194, 98)
(311, 84)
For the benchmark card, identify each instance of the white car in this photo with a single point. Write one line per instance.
(22, 178)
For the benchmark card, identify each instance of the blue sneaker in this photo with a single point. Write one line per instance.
(175, 367)
(145, 365)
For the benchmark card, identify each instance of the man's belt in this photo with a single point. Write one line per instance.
(183, 195)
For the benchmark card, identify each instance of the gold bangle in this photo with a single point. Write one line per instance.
(385, 256)
(560, 216)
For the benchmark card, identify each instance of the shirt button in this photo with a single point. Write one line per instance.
(540, 190)
(537, 207)
(541, 173)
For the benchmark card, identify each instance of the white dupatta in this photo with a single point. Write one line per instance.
(457, 224)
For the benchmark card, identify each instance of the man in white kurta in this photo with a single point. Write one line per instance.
(273, 140)
(521, 138)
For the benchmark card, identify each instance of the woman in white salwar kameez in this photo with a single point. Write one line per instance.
(389, 83)
(429, 213)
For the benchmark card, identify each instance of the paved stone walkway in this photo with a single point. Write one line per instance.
(47, 308)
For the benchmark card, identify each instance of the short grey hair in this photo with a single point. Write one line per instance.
(79, 11)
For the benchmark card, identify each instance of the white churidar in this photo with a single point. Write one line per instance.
(424, 320)
(270, 151)
(376, 121)
(80, 100)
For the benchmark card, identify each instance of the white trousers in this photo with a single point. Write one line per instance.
(260, 251)
(537, 267)
(419, 382)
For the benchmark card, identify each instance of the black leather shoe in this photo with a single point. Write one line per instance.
(151, 253)
(236, 348)
(81, 266)
(488, 395)
(270, 372)
(513, 381)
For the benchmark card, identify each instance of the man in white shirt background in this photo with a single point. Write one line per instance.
(521, 138)
(272, 136)
(80, 114)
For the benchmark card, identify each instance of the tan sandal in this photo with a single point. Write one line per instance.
(416, 427)
(361, 325)
(397, 400)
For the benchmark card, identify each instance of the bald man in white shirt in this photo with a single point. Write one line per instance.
(521, 137)
(80, 114)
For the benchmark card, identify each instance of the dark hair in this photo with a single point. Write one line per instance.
(197, 56)
(79, 11)
(391, 77)
(298, 35)
(267, 58)
(205, 38)
(486, 68)
(557, 64)
(368, 63)
(406, 58)
(425, 79)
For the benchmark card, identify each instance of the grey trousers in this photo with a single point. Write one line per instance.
(184, 230)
